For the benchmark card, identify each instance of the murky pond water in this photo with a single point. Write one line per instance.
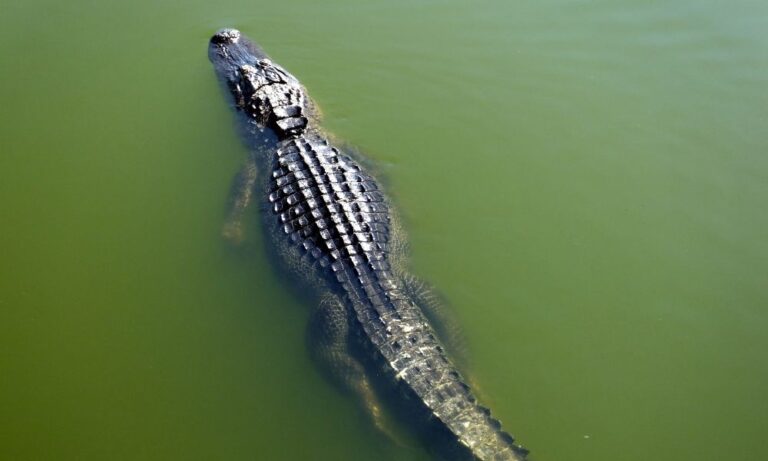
(586, 182)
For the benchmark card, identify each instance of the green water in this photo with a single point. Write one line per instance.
(586, 182)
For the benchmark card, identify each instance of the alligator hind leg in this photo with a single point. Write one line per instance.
(329, 342)
(444, 322)
(240, 196)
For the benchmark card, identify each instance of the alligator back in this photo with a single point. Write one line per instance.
(334, 214)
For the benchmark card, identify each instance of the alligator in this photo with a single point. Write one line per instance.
(328, 222)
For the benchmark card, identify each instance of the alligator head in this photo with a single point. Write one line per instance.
(264, 91)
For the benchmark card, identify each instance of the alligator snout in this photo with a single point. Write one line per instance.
(226, 36)
(229, 49)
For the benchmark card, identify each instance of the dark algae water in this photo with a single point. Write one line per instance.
(585, 182)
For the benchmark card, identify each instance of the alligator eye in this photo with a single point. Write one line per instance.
(237, 92)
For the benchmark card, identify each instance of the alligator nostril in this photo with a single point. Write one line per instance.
(226, 36)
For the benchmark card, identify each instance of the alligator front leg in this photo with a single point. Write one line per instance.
(329, 344)
(240, 196)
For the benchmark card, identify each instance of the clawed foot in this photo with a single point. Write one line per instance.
(380, 421)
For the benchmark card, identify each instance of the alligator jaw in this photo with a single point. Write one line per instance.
(229, 50)
(232, 47)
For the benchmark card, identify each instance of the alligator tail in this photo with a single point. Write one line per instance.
(423, 366)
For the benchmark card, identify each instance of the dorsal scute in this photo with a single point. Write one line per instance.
(274, 98)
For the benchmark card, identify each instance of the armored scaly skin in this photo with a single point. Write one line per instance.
(330, 214)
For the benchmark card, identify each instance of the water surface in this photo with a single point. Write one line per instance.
(586, 182)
